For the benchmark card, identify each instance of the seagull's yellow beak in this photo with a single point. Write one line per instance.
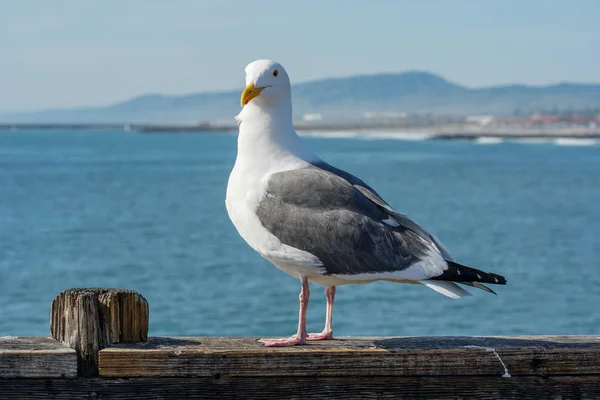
(249, 93)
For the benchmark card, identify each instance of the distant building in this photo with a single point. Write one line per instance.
(544, 119)
(384, 115)
(480, 119)
(312, 117)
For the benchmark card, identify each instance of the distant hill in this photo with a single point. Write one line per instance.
(340, 98)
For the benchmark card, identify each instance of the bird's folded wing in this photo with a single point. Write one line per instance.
(320, 212)
(402, 219)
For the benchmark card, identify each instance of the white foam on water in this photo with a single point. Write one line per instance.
(368, 135)
(574, 142)
(531, 140)
(398, 136)
(489, 140)
(329, 134)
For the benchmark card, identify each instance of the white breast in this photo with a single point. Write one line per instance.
(267, 144)
(246, 188)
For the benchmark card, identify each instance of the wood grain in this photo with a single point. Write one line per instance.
(306, 388)
(542, 356)
(541, 367)
(91, 319)
(36, 357)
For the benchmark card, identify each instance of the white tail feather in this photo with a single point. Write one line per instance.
(449, 289)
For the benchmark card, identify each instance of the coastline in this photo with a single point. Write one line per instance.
(433, 131)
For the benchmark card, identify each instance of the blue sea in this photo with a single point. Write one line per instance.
(147, 212)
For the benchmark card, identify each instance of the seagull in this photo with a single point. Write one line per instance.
(319, 223)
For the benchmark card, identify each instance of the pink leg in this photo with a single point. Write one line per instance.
(328, 331)
(300, 336)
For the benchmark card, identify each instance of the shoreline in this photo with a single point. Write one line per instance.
(434, 131)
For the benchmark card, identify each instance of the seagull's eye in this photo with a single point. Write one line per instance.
(275, 73)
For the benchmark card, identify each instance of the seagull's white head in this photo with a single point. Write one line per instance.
(267, 84)
(267, 137)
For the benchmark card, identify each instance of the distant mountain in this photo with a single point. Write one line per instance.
(340, 98)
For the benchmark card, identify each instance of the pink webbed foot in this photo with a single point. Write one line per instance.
(325, 335)
(291, 341)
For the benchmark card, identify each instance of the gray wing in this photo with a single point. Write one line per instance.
(452, 271)
(402, 219)
(321, 212)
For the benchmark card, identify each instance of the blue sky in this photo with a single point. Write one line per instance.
(65, 53)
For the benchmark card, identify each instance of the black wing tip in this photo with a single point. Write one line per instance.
(463, 274)
(498, 279)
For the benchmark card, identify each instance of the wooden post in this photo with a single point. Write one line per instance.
(91, 319)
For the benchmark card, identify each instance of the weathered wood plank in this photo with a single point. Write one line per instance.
(405, 356)
(90, 319)
(306, 388)
(36, 357)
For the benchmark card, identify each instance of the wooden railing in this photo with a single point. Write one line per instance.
(100, 350)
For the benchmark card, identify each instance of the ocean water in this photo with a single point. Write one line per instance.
(146, 212)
